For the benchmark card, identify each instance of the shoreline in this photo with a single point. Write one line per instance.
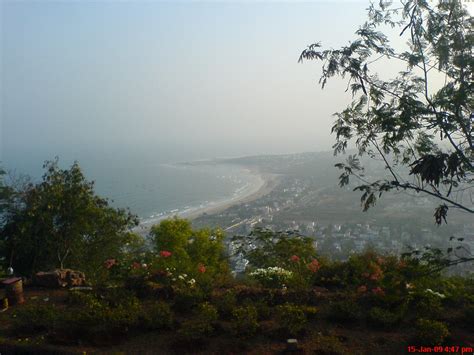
(265, 184)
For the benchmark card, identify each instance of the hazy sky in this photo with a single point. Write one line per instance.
(208, 78)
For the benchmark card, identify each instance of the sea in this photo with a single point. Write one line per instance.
(150, 185)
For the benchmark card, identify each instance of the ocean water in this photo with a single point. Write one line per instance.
(162, 189)
(149, 186)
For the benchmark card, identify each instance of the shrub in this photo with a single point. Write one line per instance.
(291, 318)
(207, 312)
(80, 298)
(99, 318)
(469, 316)
(264, 311)
(324, 344)
(225, 302)
(186, 300)
(345, 311)
(380, 317)
(157, 316)
(272, 277)
(201, 325)
(425, 304)
(194, 330)
(35, 318)
(115, 297)
(431, 332)
(245, 321)
(310, 311)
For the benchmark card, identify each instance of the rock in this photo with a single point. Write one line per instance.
(60, 278)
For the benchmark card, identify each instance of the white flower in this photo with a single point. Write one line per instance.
(440, 295)
(181, 277)
(271, 271)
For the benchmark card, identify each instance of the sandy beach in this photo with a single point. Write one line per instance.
(264, 184)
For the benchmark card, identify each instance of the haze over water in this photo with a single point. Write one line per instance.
(124, 87)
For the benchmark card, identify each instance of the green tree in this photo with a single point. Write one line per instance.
(265, 248)
(5, 194)
(191, 249)
(60, 222)
(420, 119)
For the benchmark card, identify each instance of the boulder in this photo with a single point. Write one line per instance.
(60, 278)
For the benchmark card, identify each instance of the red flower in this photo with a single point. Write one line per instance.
(136, 265)
(165, 253)
(201, 268)
(377, 274)
(378, 291)
(295, 258)
(362, 289)
(314, 266)
(109, 263)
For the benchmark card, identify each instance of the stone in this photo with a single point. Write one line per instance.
(59, 278)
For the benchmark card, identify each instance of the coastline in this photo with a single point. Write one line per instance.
(265, 183)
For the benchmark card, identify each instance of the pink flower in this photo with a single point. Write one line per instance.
(314, 266)
(295, 258)
(378, 291)
(109, 263)
(365, 274)
(377, 274)
(362, 289)
(136, 265)
(165, 253)
(201, 268)
(375, 277)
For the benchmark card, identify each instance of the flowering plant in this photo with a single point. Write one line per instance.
(274, 276)
(165, 253)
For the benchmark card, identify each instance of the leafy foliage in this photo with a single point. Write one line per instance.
(60, 222)
(397, 120)
(431, 332)
(291, 318)
(197, 253)
(245, 321)
(265, 248)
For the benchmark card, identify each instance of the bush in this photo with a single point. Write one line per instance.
(157, 316)
(431, 332)
(469, 316)
(194, 330)
(425, 305)
(99, 318)
(245, 321)
(310, 311)
(225, 302)
(35, 318)
(345, 311)
(186, 300)
(291, 318)
(272, 277)
(323, 344)
(264, 311)
(201, 325)
(380, 317)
